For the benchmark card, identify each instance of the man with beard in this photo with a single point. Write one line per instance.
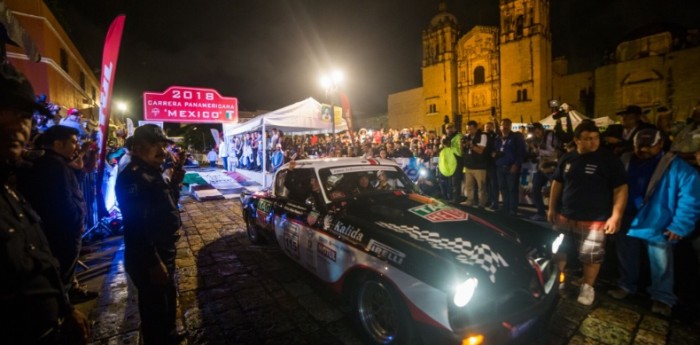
(34, 308)
(151, 224)
(662, 208)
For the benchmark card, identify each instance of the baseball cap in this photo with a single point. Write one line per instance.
(647, 137)
(151, 134)
(73, 111)
(17, 92)
(631, 110)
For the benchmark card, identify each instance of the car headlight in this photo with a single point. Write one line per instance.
(465, 291)
(557, 243)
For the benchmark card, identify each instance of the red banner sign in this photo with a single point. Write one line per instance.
(110, 53)
(189, 104)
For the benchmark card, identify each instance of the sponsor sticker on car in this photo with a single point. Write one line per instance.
(438, 213)
(342, 230)
(386, 252)
(326, 252)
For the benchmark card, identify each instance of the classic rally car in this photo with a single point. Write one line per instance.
(413, 268)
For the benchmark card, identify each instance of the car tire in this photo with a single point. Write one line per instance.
(252, 230)
(381, 314)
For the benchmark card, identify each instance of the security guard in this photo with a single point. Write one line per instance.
(151, 224)
(34, 308)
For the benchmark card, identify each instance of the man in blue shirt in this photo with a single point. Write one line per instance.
(510, 152)
(662, 208)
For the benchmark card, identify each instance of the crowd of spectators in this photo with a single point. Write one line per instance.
(246, 150)
(576, 168)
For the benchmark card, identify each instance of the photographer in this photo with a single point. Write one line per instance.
(475, 160)
(560, 112)
(544, 145)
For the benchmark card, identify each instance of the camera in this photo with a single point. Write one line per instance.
(559, 110)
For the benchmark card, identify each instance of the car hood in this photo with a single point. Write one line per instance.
(443, 244)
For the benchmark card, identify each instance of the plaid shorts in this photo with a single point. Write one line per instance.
(589, 237)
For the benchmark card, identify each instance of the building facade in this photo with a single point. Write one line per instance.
(508, 72)
(62, 74)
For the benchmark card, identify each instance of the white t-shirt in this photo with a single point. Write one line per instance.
(211, 156)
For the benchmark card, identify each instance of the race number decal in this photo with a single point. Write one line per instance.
(290, 239)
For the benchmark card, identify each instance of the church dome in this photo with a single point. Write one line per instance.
(443, 15)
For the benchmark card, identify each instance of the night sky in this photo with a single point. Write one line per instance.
(271, 53)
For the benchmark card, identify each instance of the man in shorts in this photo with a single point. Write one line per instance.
(587, 201)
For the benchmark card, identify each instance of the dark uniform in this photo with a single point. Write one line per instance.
(151, 223)
(51, 186)
(32, 298)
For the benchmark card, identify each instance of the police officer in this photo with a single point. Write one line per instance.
(34, 308)
(151, 224)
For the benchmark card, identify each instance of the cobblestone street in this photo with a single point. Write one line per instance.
(234, 293)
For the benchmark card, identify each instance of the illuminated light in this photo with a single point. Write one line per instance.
(557, 243)
(562, 277)
(473, 340)
(465, 291)
(122, 106)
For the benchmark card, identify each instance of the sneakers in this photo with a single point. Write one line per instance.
(80, 294)
(661, 308)
(618, 293)
(587, 295)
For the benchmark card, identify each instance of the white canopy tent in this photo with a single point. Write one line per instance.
(305, 117)
(576, 118)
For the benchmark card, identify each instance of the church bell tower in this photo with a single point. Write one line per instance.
(440, 68)
(525, 59)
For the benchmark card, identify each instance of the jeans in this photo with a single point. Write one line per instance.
(539, 180)
(492, 184)
(157, 304)
(660, 262)
(224, 160)
(510, 188)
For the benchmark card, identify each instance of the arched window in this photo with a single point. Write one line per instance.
(519, 26)
(479, 75)
(524, 94)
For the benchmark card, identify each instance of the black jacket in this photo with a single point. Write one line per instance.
(28, 270)
(52, 188)
(150, 213)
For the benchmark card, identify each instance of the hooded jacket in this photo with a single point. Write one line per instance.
(671, 202)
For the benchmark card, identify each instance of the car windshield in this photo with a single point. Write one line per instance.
(351, 181)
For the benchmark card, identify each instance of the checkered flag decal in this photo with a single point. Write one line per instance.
(474, 255)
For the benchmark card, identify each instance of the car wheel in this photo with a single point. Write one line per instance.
(381, 314)
(252, 229)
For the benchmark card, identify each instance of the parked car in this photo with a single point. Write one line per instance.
(413, 268)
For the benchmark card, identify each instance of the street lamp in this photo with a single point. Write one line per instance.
(331, 83)
(122, 107)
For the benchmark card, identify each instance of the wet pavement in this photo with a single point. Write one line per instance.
(232, 292)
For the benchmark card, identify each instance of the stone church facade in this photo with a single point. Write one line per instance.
(508, 71)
